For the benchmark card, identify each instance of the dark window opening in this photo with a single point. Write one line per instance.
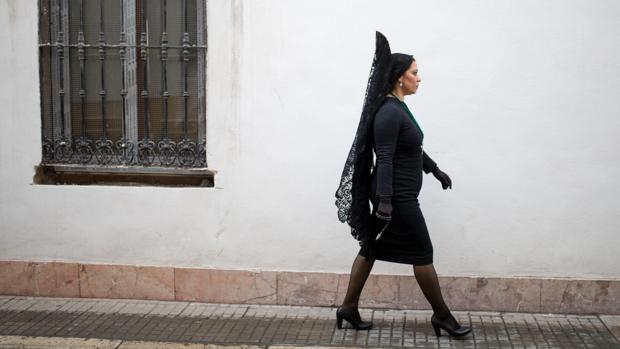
(123, 91)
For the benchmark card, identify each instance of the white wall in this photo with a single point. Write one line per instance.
(519, 104)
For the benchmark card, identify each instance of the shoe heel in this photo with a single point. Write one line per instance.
(437, 330)
(339, 322)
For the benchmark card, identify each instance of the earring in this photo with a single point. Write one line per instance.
(400, 84)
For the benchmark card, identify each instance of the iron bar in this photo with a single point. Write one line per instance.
(164, 57)
(105, 154)
(187, 148)
(102, 92)
(82, 60)
(124, 146)
(121, 53)
(185, 63)
(166, 146)
(83, 144)
(145, 67)
(61, 77)
(146, 153)
(47, 143)
(62, 147)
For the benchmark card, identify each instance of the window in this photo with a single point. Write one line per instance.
(123, 86)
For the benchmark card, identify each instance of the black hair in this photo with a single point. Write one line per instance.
(400, 62)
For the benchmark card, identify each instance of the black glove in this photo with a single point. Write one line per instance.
(446, 182)
(384, 210)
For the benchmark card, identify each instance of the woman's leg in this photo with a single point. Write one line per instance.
(429, 283)
(359, 274)
(442, 318)
(348, 311)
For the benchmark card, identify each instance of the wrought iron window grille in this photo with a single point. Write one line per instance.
(123, 83)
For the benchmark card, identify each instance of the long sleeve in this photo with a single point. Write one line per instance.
(428, 165)
(386, 130)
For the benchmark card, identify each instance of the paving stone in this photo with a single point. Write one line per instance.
(196, 310)
(48, 305)
(612, 322)
(72, 305)
(4, 300)
(18, 304)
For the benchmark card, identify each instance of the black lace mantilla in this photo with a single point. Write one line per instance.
(353, 194)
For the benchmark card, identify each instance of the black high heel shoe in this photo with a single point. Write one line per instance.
(353, 317)
(459, 331)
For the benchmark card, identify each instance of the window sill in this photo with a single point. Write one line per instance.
(123, 176)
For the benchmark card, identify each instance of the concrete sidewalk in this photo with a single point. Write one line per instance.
(27, 322)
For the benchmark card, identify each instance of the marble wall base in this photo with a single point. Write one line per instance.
(536, 295)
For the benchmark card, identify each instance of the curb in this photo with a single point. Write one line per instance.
(22, 342)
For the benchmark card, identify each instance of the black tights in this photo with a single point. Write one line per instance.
(424, 274)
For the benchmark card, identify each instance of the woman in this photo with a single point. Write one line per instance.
(388, 127)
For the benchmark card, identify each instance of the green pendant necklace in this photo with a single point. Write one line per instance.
(410, 114)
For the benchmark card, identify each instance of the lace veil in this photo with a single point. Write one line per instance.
(353, 194)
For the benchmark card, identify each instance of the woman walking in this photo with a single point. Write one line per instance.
(394, 230)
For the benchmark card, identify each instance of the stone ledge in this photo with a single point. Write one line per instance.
(123, 176)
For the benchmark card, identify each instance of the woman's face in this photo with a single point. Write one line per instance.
(410, 79)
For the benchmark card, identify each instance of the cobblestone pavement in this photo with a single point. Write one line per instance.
(269, 325)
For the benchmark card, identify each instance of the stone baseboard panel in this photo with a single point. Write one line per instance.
(536, 295)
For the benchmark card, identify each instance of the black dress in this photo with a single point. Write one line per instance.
(400, 161)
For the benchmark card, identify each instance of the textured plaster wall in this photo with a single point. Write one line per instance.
(519, 104)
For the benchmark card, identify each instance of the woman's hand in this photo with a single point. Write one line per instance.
(446, 182)
(384, 210)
